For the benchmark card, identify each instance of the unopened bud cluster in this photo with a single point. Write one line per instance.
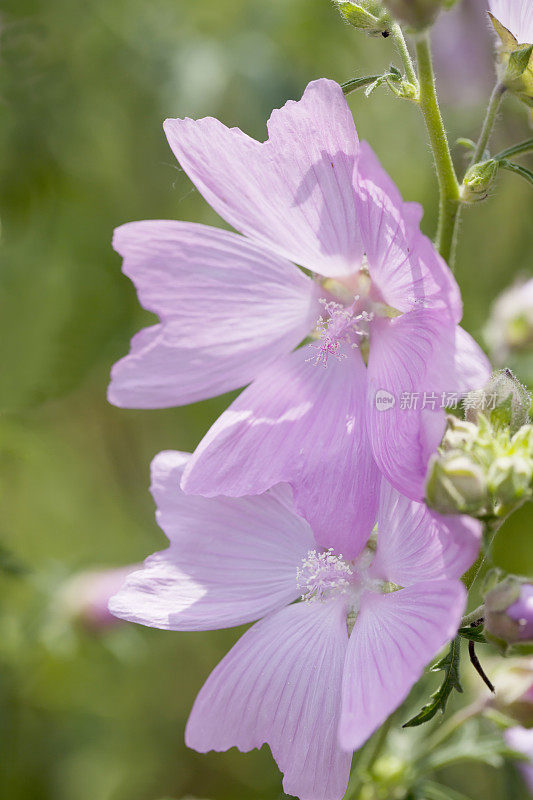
(484, 466)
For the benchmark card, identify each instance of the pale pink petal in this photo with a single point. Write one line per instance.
(230, 560)
(302, 424)
(471, 365)
(516, 16)
(293, 192)
(395, 636)
(416, 545)
(400, 351)
(460, 368)
(227, 308)
(422, 363)
(280, 685)
(403, 263)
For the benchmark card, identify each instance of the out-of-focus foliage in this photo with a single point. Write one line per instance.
(84, 88)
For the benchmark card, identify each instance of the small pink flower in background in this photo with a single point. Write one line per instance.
(84, 597)
(509, 329)
(521, 740)
(463, 54)
(314, 678)
(383, 310)
(516, 16)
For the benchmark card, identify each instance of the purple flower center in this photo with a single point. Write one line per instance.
(343, 325)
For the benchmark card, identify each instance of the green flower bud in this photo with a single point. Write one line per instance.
(510, 480)
(459, 434)
(417, 14)
(367, 15)
(478, 181)
(504, 401)
(456, 484)
(515, 63)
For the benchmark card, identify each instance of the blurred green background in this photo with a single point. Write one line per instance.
(84, 88)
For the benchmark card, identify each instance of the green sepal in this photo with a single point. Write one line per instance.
(515, 67)
(449, 664)
(507, 39)
(519, 62)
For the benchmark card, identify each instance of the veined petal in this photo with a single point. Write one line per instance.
(304, 425)
(294, 192)
(471, 367)
(516, 16)
(227, 308)
(280, 685)
(400, 351)
(423, 363)
(395, 636)
(230, 560)
(403, 263)
(416, 545)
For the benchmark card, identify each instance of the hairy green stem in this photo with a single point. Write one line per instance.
(403, 50)
(474, 615)
(488, 124)
(449, 199)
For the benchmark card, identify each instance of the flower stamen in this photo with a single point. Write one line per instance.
(321, 574)
(343, 325)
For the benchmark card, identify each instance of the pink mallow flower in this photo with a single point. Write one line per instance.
(340, 642)
(516, 16)
(381, 312)
(84, 597)
(521, 740)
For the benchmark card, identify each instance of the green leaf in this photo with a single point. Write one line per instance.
(358, 83)
(449, 664)
(468, 143)
(378, 82)
(473, 634)
(518, 168)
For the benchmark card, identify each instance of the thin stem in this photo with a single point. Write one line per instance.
(473, 616)
(488, 124)
(515, 150)
(449, 200)
(403, 50)
(453, 723)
